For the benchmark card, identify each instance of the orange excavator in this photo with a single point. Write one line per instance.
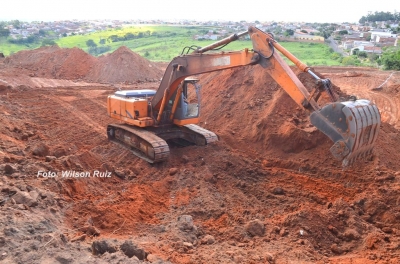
(149, 118)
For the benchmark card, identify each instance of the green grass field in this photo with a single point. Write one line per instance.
(7, 48)
(162, 43)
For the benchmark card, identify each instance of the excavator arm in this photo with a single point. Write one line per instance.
(263, 53)
(353, 126)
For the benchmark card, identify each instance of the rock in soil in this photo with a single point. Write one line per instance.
(173, 171)
(208, 239)
(131, 250)
(255, 228)
(24, 198)
(8, 169)
(100, 247)
(41, 150)
(185, 223)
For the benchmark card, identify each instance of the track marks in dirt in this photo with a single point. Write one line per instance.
(80, 115)
(362, 85)
(70, 118)
(52, 83)
(387, 105)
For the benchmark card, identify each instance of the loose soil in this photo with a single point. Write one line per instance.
(268, 192)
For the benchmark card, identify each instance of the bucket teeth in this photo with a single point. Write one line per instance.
(353, 126)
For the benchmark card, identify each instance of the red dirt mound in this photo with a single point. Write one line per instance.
(121, 66)
(124, 66)
(248, 108)
(53, 62)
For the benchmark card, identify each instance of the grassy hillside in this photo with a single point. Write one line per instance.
(162, 43)
(7, 48)
(149, 32)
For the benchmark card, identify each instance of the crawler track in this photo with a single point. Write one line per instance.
(151, 144)
(208, 135)
(142, 143)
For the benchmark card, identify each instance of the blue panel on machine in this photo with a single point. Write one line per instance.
(136, 93)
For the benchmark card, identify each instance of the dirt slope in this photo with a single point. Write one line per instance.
(253, 112)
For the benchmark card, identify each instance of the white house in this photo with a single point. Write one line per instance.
(348, 44)
(362, 43)
(374, 34)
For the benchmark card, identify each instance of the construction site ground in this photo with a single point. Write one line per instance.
(269, 191)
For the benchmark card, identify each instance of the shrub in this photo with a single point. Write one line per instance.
(362, 54)
(391, 60)
(336, 56)
(348, 61)
(48, 42)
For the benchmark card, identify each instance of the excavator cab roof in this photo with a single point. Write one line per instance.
(191, 79)
(135, 93)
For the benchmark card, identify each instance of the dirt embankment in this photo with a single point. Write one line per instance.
(267, 192)
(53, 62)
(123, 66)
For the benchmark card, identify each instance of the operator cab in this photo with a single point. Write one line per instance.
(189, 100)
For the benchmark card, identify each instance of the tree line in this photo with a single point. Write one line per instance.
(380, 16)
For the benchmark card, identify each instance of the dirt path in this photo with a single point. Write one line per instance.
(362, 83)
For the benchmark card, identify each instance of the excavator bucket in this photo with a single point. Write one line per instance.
(353, 126)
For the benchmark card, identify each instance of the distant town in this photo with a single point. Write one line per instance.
(369, 37)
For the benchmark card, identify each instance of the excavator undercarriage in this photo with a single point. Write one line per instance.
(151, 144)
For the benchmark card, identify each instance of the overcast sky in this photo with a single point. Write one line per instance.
(235, 10)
